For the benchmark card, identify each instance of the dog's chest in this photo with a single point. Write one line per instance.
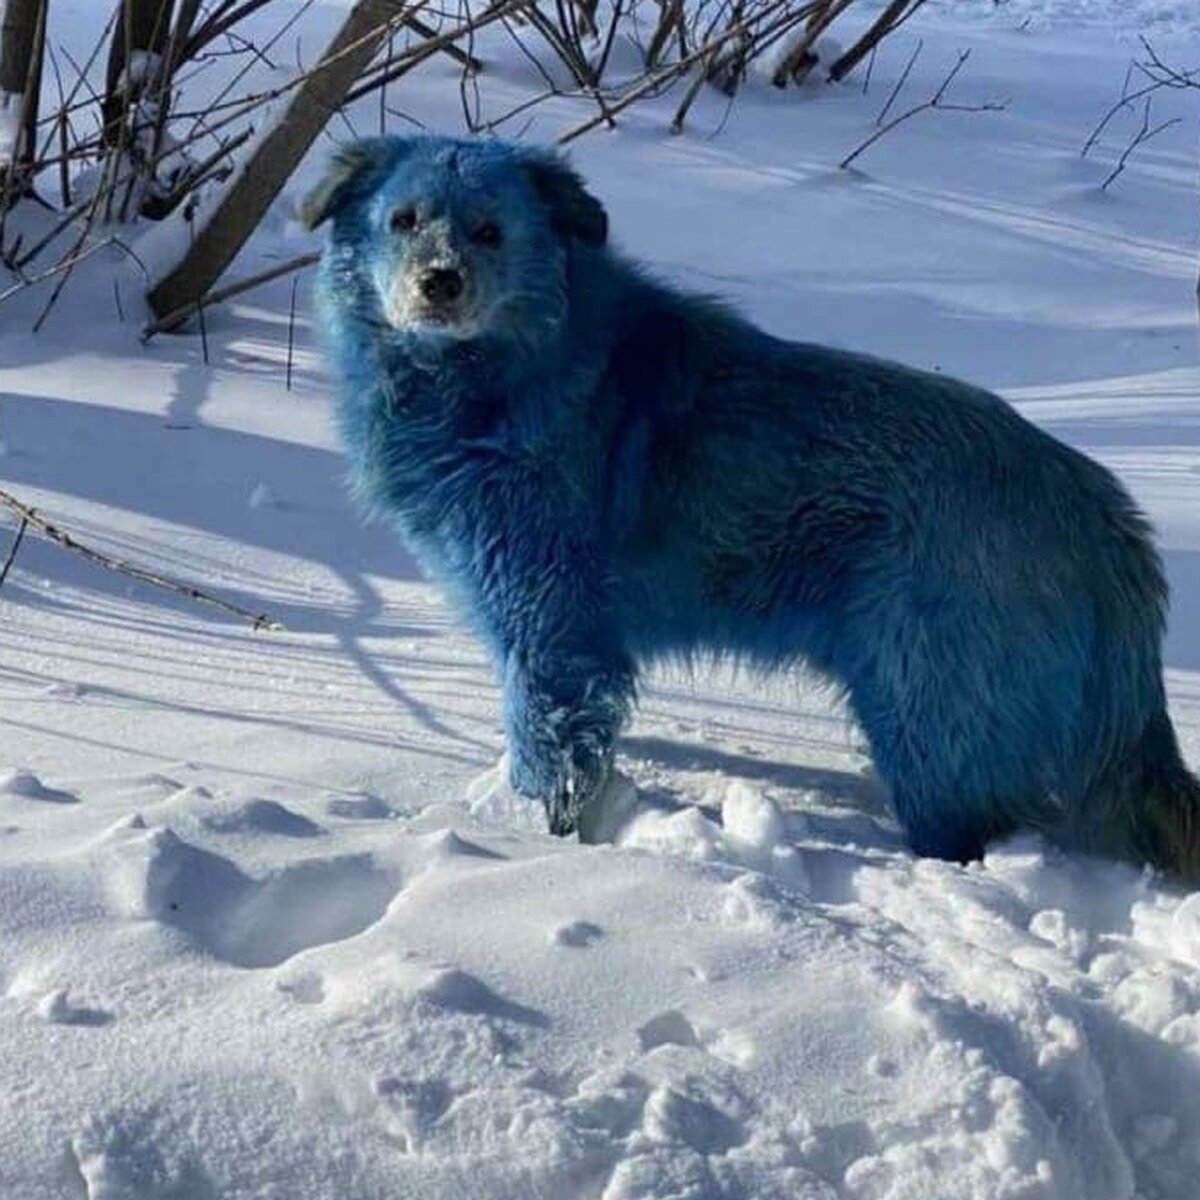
(457, 468)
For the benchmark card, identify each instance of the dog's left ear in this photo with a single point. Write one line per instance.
(575, 211)
(348, 171)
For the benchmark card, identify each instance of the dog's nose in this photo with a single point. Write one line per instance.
(442, 285)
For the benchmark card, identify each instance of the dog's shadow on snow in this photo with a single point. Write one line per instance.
(177, 470)
(851, 813)
(862, 792)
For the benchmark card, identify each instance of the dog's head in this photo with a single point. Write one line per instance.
(457, 239)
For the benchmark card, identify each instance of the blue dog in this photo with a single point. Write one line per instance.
(606, 472)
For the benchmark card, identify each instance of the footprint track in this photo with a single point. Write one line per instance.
(246, 921)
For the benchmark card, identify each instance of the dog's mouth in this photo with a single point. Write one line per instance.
(456, 323)
(439, 315)
(460, 319)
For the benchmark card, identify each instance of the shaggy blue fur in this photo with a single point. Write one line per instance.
(606, 472)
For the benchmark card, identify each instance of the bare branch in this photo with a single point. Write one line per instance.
(1127, 99)
(1143, 135)
(51, 531)
(935, 101)
(12, 550)
(174, 319)
(1159, 75)
(1169, 76)
(67, 263)
(888, 21)
(912, 62)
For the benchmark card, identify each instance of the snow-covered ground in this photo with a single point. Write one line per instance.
(265, 931)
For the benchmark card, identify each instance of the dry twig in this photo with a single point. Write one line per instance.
(1143, 135)
(12, 550)
(935, 101)
(912, 62)
(173, 320)
(52, 532)
(696, 43)
(1159, 74)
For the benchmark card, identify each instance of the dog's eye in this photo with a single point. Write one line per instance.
(404, 220)
(488, 234)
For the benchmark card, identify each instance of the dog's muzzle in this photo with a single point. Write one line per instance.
(442, 286)
(434, 297)
(437, 296)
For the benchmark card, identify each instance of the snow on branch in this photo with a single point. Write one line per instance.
(10, 126)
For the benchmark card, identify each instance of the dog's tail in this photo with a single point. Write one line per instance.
(1167, 825)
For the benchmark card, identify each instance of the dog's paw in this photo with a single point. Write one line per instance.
(562, 815)
(493, 800)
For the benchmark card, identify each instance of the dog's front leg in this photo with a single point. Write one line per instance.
(563, 710)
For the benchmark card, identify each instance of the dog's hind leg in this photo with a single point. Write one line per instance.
(944, 827)
(936, 778)
(969, 727)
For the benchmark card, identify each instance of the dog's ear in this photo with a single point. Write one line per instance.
(352, 168)
(574, 210)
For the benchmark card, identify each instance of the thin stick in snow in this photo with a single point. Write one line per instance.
(12, 552)
(883, 112)
(291, 333)
(1169, 76)
(383, 90)
(689, 97)
(935, 101)
(51, 531)
(66, 266)
(174, 319)
(1160, 76)
(1144, 134)
(888, 21)
(203, 332)
(67, 263)
(1127, 98)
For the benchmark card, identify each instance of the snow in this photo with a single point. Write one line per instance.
(10, 125)
(271, 924)
(143, 66)
(1151, 17)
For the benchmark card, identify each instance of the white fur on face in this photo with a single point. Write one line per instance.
(405, 306)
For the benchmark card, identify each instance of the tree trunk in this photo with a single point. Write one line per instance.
(238, 210)
(801, 59)
(189, 10)
(143, 27)
(22, 41)
(18, 32)
(892, 16)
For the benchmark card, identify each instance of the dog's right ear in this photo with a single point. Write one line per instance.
(351, 169)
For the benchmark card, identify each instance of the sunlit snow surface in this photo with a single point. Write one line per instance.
(271, 927)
